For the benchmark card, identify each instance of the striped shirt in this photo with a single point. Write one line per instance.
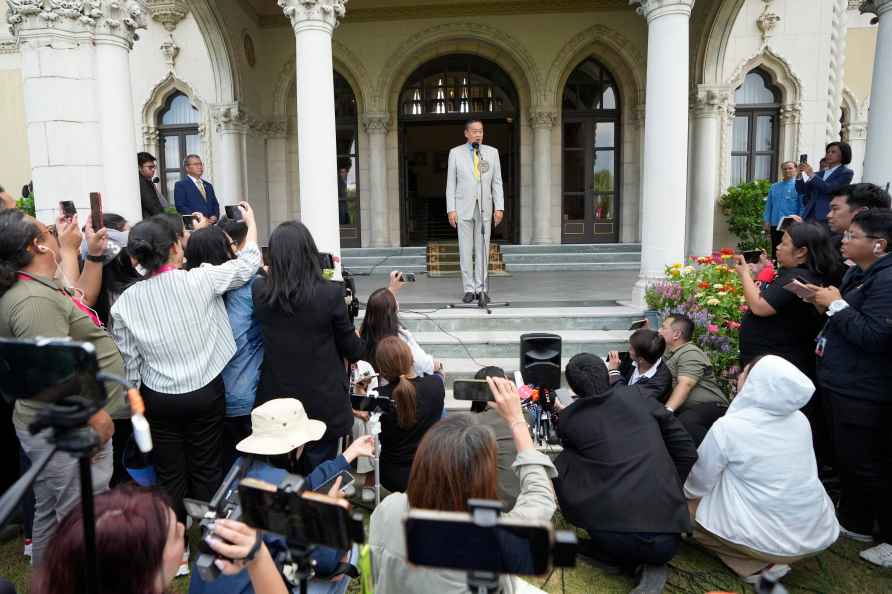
(173, 330)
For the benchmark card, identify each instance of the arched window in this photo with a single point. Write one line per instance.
(590, 149)
(178, 128)
(754, 145)
(347, 136)
(459, 84)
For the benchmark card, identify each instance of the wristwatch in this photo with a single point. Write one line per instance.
(92, 258)
(836, 307)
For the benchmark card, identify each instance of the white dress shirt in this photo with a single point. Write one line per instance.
(636, 376)
(172, 328)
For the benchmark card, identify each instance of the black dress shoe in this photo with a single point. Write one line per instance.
(468, 298)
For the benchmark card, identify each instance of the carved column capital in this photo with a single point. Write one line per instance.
(790, 114)
(652, 9)
(230, 118)
(313, 13)
(167, 12)
(376, 123)
(543, 118)
(710, 101)
(106, 20)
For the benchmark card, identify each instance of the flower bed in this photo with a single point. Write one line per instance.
(708, 291)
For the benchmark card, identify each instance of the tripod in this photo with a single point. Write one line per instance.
(67, 420)
(483, 301)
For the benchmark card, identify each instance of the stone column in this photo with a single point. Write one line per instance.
(114, 38)
(313, 22)
(542, 122)
(230, 178)
(665, 166)
(878, 158)
(282, 207)
(856, 136)
(76, 82)
(709, 107)
(376, 125)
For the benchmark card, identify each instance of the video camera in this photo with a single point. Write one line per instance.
(485, 545)
(326, 262)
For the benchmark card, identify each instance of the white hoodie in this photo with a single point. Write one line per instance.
(756, 471)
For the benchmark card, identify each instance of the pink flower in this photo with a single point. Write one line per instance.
(713, 329)
(744, 308)
(733, 325)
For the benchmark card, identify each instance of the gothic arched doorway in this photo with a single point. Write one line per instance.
(590, 145)
(434, 104)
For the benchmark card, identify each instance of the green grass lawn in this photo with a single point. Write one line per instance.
(838, 570)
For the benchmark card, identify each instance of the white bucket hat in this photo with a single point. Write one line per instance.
(279, 426)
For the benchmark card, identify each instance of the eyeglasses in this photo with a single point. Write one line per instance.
(849, 236)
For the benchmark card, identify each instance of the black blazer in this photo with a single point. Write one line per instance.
(624, 462)
(149, 199)
(659, 386)
(303, 355)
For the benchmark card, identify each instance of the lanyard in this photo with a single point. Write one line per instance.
(163, 269)
(24, 276)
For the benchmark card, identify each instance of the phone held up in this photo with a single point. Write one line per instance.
(803, 159)
(67, 209)
(189, 222)
(96, 211)
(476, 390)
(233, 213)
(752, 256)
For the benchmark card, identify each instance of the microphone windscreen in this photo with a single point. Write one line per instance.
(476, 145)
(156, 180)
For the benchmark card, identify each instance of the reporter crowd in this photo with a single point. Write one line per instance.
(241, 362)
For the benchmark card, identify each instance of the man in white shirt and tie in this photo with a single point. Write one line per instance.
(474, 197)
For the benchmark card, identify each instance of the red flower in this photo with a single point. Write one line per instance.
(727, 251)
(704, 285)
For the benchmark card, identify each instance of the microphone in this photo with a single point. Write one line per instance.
(156, 180)
(476, 146)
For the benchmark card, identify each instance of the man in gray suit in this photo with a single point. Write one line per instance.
(470, 173)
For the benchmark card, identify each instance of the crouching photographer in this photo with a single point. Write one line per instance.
(279, 428)
(139, 545)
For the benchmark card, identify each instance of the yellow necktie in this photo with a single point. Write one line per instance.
(476, 165)
(201, 189)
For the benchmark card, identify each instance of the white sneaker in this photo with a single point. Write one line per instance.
(184, 564)
(879, 555)
(772, 572)
(368, 494)
(856, 536)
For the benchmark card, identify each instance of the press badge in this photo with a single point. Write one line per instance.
(822, 344)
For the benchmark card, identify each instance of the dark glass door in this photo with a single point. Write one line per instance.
(590, 189)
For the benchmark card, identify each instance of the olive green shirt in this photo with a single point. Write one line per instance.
(38, 308)
(689, 360)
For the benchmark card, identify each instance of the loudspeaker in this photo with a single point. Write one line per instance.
(540, 359)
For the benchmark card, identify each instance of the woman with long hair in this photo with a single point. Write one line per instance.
(307, 335)
(139, 543)
(381, 319)
(173, 331)
(211, 246)
(777, 321)
(455, 462)
(417, 405)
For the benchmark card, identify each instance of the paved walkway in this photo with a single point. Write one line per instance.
(522, 289)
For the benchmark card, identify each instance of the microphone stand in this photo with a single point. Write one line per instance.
(483, 301)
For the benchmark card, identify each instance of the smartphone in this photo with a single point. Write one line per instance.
(68, 209)
(564, 396)
(302, 518)
(798, 287)
(326, 261)
(638, 325)
(371, 403)
(752, 256)
(189, 222)
(346, 479)
(625, 363)
(452, 540)
(233, 213)
(476, 390)
(803, 158)
(96, 210)
(407, 277)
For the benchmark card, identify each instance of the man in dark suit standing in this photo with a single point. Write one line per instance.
(817, 189)
(193, 194)
(153, 201)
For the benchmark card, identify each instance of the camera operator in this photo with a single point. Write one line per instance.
(281, 427)
(139, 543)
(456, 461)
(509, 485)
(381, 319)
(34, 302)
(621, 472)
(648, 372)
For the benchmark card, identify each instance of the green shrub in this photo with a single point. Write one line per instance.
(744, 207)
(26, 205)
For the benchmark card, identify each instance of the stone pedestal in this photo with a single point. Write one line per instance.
(542, 122)
(665, 165)
(313, 22)
(878, 156)
(376, 125)
(78, 103)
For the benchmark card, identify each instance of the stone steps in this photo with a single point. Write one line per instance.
(505, 343)
(364, 261)
(572, 257)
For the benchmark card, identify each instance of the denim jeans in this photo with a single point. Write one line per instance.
(57, 488)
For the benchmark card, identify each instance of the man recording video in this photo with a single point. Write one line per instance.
(474, 197)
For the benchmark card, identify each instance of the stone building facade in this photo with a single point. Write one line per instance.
(617, 121)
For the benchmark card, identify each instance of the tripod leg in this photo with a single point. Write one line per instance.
(14, 495)
(92, 569)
